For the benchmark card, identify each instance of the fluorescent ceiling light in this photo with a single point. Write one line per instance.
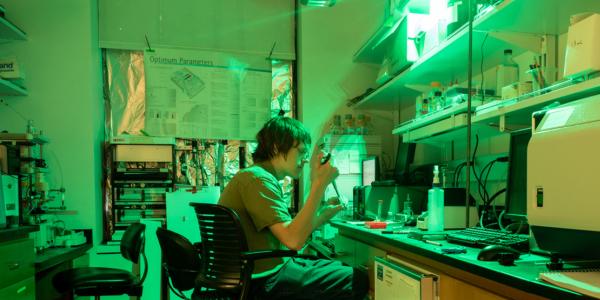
(318, 2)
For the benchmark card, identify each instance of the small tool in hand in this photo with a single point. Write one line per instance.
(325, 159)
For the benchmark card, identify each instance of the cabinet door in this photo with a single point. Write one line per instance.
(16, 261)
(345, 250)
(365, 257)
(394, 280)
(22, 290)
(455, 289)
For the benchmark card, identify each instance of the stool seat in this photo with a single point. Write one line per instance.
(94, 281)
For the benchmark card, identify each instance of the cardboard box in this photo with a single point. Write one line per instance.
(9, 68)
(583, 45)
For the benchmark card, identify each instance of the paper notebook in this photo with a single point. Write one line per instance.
(584, 281)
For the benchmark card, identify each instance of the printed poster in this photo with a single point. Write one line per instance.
(206, 95)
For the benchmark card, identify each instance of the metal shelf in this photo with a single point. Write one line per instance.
(443, 62)
(10, 32)
(375, 48)
(519, 113)
(23, 138)
(535, 16)
(8, 88)
(443, 131)
(507, 114)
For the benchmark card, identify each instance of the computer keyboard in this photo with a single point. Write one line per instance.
(481, 237)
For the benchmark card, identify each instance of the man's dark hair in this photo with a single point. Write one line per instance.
(279, 135)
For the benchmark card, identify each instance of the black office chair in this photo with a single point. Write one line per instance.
(94, 281)
(226, 264)
(181, 261)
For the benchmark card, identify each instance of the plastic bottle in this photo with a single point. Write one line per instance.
(435, 204)
(380, 216)
(425, 107)
(435, 96)
(507, 72)
(394, 204)
(407, 208)
(418, 106)
(30, 128)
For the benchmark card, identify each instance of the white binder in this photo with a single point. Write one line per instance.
(397, 280)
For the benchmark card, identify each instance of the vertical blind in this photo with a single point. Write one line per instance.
(242, 26)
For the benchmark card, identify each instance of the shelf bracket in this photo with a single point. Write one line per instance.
(528, 41)
(502, 123)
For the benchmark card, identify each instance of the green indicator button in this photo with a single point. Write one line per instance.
(540, 197)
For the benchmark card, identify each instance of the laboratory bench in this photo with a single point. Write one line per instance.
(50, 261)
(17, 280)
(461, 276)
(27, 275)
(13, 233)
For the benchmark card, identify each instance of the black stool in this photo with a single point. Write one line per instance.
(108, 281)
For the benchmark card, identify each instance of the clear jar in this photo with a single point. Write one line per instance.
(360, 124)
(418, 106)
(425, 107)
(368, 125)
(507, 72)
(349, 124)
(439, 101)
(336, 125)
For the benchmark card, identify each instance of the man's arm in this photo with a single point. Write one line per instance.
(293, 234)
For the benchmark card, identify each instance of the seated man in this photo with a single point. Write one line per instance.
(256, 195)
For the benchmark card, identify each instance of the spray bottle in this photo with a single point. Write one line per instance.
(435, 204)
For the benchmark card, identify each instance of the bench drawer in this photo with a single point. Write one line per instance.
(16, 261)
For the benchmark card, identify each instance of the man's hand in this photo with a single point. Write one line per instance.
(329, 209)
(321, 173)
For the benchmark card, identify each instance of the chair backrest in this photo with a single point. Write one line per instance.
(132, 245)
(223, 241)
(181, 259)
(132, 242)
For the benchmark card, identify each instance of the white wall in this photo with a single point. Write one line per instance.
(62, 62)
(327, 40)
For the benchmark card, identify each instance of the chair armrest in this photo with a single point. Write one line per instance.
(262, 254)
(182, 270)
(198, 246)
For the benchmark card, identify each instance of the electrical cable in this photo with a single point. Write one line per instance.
(500, 220)
(14, 110)
(498, 193)
(481, 194)
(457, 171)
(490, 200)
(60, 170)
(493, 203)
(489, 225)
(487, 175)
(481, 218)
(487, 167)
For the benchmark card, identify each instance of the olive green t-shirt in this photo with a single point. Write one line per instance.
(256, 195)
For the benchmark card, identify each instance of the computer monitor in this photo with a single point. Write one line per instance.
(516, 182)
(404, 157)
(369, 170)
